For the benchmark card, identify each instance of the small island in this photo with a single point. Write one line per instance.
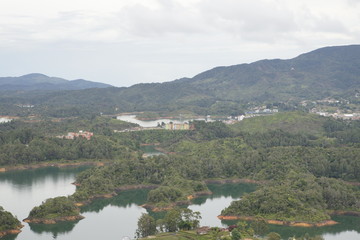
(54, 210)
(300, 200)
(8, 223)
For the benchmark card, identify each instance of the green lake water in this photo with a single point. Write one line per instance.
(117, 217)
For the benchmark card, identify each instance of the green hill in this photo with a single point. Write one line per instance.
(292, 122)
(37, 81)
(325, 72)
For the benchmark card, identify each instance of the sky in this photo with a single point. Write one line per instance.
(124, 42)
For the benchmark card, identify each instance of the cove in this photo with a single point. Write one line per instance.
(117, 217)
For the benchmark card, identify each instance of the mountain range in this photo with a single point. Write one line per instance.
(37, 81)
(322, 73)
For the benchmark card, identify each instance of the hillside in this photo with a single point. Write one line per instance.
(37, 81)
(325, 72)
(321, 73)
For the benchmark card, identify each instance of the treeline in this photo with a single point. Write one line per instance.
(50, 149)
(26, 143)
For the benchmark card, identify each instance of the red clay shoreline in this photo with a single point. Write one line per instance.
(54, 220)
(284, 223)
(11, 231)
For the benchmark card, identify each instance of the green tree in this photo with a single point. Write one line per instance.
(146, 226)
(215, 233)
(172, 220)
(273, 236)
(260, 226)
(235, 234)
(180, 218)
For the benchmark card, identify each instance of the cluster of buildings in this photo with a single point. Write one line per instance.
(73, 135)
(24, 105)
(179, 126)
(262, 111)
(348, 116)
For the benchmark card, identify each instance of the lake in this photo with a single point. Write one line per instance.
(152, 123)
(117, 217)
(4, 119)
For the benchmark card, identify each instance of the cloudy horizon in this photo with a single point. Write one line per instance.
(136, 41)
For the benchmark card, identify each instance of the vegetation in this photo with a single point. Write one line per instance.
(304, 176)
(299, 198)
(303, 159)
(8, 221)
(175, 219)
(146, 226)
(54, 208)
(304, 172)
(26, 143)
(222, 90)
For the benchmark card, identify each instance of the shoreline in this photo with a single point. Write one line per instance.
(344, 213)
(11, 231)
(280, 222)
(54, 220)
(53, 164)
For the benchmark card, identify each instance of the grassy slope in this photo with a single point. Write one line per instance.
(294, 122)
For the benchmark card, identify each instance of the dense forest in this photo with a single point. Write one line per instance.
(305, 168)
(35, 142)
(312, 168)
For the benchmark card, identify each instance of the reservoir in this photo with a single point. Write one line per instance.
(151, 123)
(5, 119)
(117, 217)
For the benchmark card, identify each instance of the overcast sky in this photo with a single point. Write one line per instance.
(123, 42)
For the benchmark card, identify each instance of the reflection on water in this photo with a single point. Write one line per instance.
(23, 179)
(117, 217)
(54, 229)
(23, 190)
(223, 194)
(124, 199)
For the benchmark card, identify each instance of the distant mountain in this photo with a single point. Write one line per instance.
(37, 81)
(325, 72)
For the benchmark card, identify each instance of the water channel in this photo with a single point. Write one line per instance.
(117, 217)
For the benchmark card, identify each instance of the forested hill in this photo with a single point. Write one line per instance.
(326, 72)
(37, 81)
(320, 73)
